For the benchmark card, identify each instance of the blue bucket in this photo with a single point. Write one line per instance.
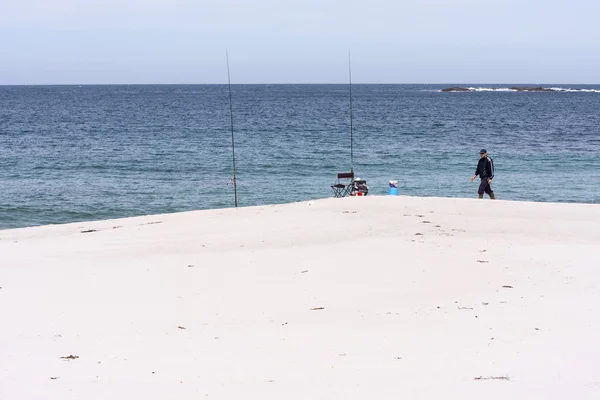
(393, 188)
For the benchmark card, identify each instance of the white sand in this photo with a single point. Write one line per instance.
(405, 316)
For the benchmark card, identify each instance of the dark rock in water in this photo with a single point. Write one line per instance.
(531, 89)
(456, 89)
(515, 88)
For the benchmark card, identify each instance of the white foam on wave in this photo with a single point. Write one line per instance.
(555, 89)
(569, 90)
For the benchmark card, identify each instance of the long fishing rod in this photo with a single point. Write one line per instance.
(351, 133)
(232, 136)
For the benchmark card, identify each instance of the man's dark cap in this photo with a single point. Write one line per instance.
(483, 151)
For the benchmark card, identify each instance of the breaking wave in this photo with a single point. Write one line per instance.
(520, 89)
(558, 89)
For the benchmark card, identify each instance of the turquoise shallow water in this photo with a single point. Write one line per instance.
(73, 153)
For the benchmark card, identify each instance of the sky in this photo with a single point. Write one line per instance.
(299, 41)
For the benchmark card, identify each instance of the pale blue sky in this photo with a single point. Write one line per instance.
(300, 41)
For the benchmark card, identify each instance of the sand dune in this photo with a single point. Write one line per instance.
(358, 298)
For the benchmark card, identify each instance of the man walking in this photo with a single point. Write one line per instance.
(485, 170)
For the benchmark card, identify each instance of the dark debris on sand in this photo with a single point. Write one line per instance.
(487, 378)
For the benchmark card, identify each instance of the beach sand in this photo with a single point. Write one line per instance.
(356, 298)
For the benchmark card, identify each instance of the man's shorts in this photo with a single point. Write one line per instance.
(485, 187)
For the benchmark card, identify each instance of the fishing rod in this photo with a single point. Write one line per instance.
(232, 136)
(351, 133)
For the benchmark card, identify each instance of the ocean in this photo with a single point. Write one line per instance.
(75, 153)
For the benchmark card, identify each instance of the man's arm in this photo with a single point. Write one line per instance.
(491, 169)
(476, 173)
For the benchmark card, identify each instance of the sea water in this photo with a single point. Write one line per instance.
(72, 153)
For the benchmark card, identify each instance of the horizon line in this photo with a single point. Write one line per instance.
(292, 83)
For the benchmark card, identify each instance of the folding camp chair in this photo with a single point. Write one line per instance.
(340, 189)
